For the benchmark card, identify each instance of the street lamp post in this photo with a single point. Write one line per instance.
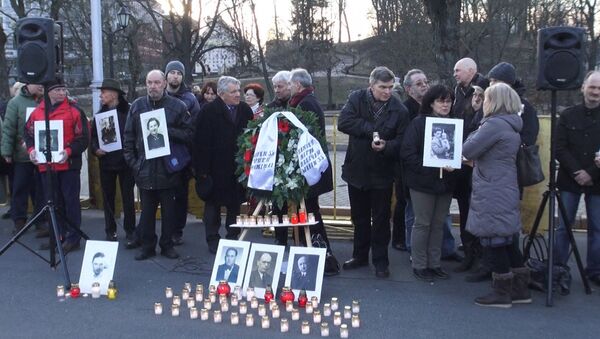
(123, 22)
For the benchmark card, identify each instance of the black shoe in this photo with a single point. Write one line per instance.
(131, 244)
(170, 253)
(423, 274)
(355, 263)
(143, 255)
(332, 266)
(482, 274)
(177, 240)
(439, 273)
(42, 233)
(112, 236)
(400, 246)
(382, 272)
(453, 257)
(71, 246)
(595, 279)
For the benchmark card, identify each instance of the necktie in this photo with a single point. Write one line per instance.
(232, 109)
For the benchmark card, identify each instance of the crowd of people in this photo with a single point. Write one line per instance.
(385, 156)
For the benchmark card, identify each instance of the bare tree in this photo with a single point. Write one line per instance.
(445, 20)
(261, 54)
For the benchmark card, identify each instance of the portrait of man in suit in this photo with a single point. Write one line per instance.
(229, 269)
(260, 276)
(303, 275)
(155, 139)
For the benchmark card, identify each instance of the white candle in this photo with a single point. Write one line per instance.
(249, 320)
(311, 217)
(187, 286)
(212, 288)
(224, 306)
(272, 304)
(265, 322)
(212, 296)
(193, 313)
(60, 291)
(326, 310)
(200, 291)
(355, 321)
(235, 318)
(177, 300)
(249, 293)
(317, 316)
(286, 219)
(243, 307)
(344, 331)
(315, 301)
(309, 308)
(285, 326)
(275, 312)
(169, 292)
(337, 318)
(217, 317)
(199, 297)
(185, 294)
(234, 300)
(347, 312)
(95, 290)
(334, 304)
(324, 330)
(207, 304)
(158, 308)
(295, 314)
(355, 306)
(204, 314)
(262, 310)
(175, 310)
(289, 306)
(305, 327)
(191, 302)
(254, 303)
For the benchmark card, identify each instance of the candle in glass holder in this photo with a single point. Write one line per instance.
(217, 317)
(305, 327)
(185, 294)
(285, 219)
(96, 290)
(207, 304)
(60, 291)
(260, 221)
(169, 292)
(265, 322)
(191, 302)
(294, 218)
(235, 318)
(302, 216)
(252, 220)
(199, 298)
(272, 304)
(275, 220)
(249, 320)
(224, 306)
(199, 289)
(314, 301)
(175, 310)
(311, 218)
(249, 293)
(344, 331)
(334, 304)
(355, 321)
(309, 308)
(176, 300)
(243, 308)
(193, 313)
(212, 296)
(246, 220)
(262, 310)
(337, 318)
(204, 314)
(355, 306)
(222, 299)
(234, 300)
(188, 286)
(295, 314)
(239, 220)
(317, 316)
(275, 313)
(212, 288)
(289, 306)
(254, 303)
(237, 291)
(284, 325)
(326, 310)
(347, 312)
(324, 330)
(158, 309)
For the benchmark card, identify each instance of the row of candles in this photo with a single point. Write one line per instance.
(300, 218)
(349, 312)
(74, 292)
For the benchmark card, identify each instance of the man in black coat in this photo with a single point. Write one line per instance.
(157, 183)
(220, 124)
(369, 165)
(113, 165)
(281, 87)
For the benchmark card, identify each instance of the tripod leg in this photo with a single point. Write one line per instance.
(536, 224)
(61, 252)
(25, 228)
(569, 229)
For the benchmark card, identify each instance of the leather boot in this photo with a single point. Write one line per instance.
(520, 292)
(501, 291)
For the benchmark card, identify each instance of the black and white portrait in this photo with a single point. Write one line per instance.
(305, 269)
(264, 267)
(155, 133)
(109, 135)
(98, 265)
(442, 146)
(230, 262)
(56, 139)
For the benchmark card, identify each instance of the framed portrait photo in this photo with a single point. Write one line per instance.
(56, 140)
(443, 142)
(98, 265)
(305, 269)
(263, 268)
(230, 262)
(155, 134)
(107, 126)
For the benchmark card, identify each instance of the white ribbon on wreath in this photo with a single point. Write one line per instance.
(311, 158)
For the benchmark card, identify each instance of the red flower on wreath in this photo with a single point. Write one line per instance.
(248, 155)
(247, 170)
(254, 139)
(283, 126)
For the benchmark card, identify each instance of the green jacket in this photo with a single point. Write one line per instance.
(14, 126)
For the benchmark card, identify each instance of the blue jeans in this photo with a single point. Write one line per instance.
(570, 201)
(448, 240)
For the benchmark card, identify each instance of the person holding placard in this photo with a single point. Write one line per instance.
(113, 165)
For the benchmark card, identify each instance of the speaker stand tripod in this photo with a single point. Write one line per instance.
(49, 209)
(551, 196)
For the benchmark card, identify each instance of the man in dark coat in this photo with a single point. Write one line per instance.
(577, 141)
(281, 87)
(229, 269)
(157, 184)
(369, 165)
(175, 72)
(215, 141)
(260, 277)
(113, 165)
(302, 277)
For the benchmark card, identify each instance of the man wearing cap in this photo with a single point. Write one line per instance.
(157, 181)
(113, 165)
(66, 185)
(15, 152)
(175, 72)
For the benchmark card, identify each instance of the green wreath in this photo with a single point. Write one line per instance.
(289, 183)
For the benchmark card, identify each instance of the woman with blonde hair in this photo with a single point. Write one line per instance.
(494, 212)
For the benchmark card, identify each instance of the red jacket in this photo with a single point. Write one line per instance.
(76, 132)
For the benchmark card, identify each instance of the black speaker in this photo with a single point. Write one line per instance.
(561, 54)
(39, 50)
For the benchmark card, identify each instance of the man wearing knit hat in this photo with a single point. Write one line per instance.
(175, 72)
(76, 136)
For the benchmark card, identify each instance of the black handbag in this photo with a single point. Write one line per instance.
(178, 159)
(529, 166)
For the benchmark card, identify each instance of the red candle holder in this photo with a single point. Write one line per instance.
(302, 299)
(286, 295)
(223, 288)
(302, 216)
(269, 294)
(75, 291)
(294, 218)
